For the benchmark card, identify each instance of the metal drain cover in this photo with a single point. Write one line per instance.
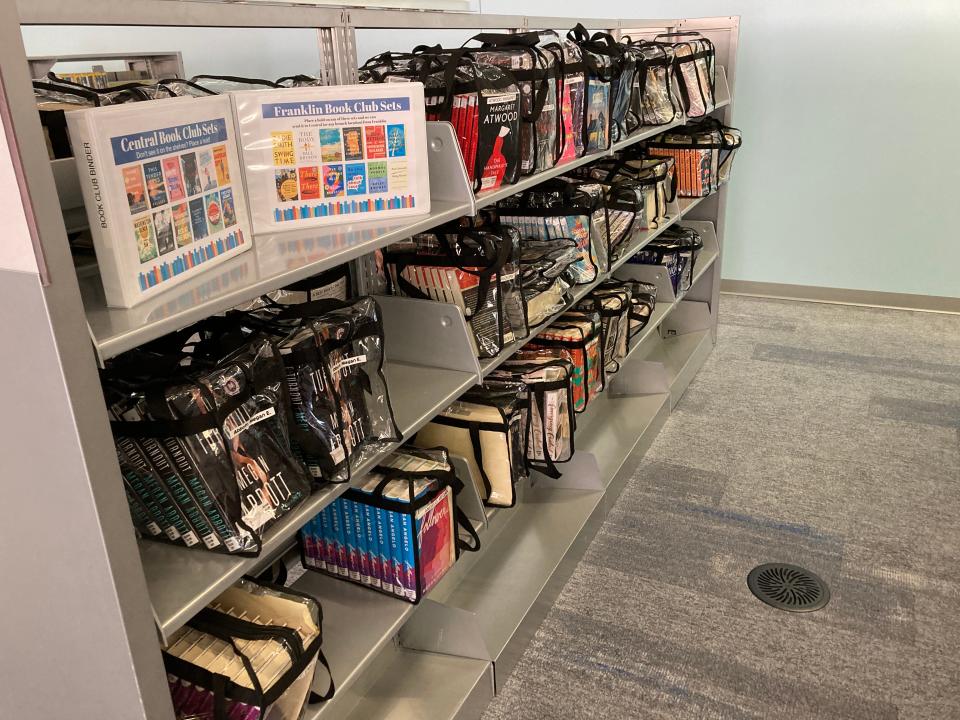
(788, 587)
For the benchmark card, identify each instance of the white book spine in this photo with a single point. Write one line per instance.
(94, 183)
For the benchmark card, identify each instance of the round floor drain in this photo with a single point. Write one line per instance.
(788, 587)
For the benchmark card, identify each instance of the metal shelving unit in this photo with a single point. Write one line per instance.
(442, 658)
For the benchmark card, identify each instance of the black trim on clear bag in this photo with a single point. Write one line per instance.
(495, 251)
(541, 75)
(228, 629)
(708, 54)
(581, 344)
(234, 79)
(536, 391)
(645, 63)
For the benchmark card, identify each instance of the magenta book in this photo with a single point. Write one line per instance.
(435, 539)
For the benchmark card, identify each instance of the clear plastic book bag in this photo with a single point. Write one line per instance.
(600, 72)
(572, 95)
(537, 74)
(481, 101)
(551, 419)
(623, 76)
(544, 271)
(621, 209)
(220, 84)
(654, 101)
(653, 177)
(487, 426)
(333, 356)
(249, 655)
(695, 62)
(611, 301)
(676, 249)
(476, 269)
(400, 527)
(201, 424)
(577, 336)
(560, 209)
(100, 97)
(643, 301)
(703, 155)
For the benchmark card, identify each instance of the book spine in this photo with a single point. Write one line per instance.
(383, 540)
(396, 553)
(339, 544)
(373, 546)
(472, 131)
(360, 538)
(211, 509)
(319, 541)
(408, 540)
(346, 518)
(308, 542)
(329, 542)
(94, 185)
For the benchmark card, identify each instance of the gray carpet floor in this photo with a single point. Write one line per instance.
(826, 436)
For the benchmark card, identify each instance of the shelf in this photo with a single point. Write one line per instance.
(614, 425)
(660, 313)
(420, 686)
(488, 197)
(708, 256)
(281, 258)
(275, 260)
(681, 356)
(181, 581)
(227, 13)
(358, 623)
(496, 606)
(512, 571)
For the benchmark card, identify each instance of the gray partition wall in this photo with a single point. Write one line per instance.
(88, 604)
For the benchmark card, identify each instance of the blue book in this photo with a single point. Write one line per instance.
(381, 528)
(353, 557)
(360, 539)
(339, 539)
(409, 574)
(373, 544)
(396, 553)
(329, 541)
(319, 546)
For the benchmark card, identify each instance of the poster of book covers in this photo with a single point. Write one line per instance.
(314, 155)
(162, 189)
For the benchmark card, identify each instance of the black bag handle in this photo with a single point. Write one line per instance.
(315, 697)
(298, 78)
(578, 34)
(530, 39)
(236, 79)
(83, 92)
(605, 38)
(163, 82)
(681, 33)
(494, 265)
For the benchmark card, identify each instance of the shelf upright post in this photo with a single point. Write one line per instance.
(338, 52)
(76, 600)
